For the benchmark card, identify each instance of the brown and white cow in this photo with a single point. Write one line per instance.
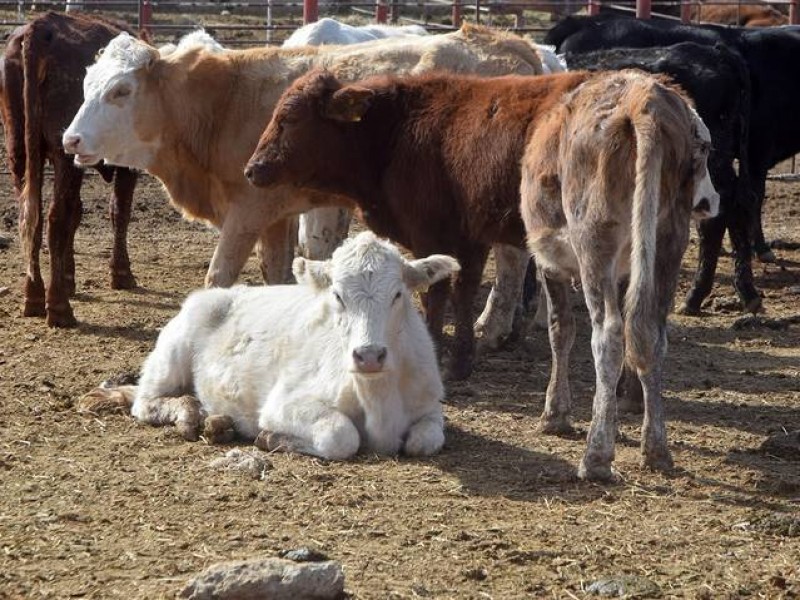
(192, 119)
(44, 63)
(431, 161)
(609, 181)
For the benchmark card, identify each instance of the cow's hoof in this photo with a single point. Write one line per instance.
(555, 426)
(767, 257)
(753, 306)
(103, 401)
(218, 429)
(688, 309)
(124, 280)
(594, 471)
(61, 317)
(658, 461)
(274, 442)
(34, 308)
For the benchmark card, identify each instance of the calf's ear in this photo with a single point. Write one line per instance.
(316, 273)
(348, 104)
(422, 273)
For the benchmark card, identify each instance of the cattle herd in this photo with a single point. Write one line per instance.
(452, 145)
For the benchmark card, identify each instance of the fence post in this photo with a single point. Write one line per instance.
(456, 13)
(686, 11)
(794, 12)
(642, 9)
(381, 11)
(310, 11)
(594, 7)
(145, 17)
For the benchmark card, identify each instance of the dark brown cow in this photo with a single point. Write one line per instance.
(431, 161)
(42, 72)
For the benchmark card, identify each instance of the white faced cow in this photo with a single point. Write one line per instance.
(340, 362)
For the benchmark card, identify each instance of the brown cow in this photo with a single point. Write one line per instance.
(43, 67)
(741, 15)
(431, 161)
(609, 180)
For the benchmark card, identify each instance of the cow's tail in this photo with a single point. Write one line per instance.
(31, 197)
(640, 305)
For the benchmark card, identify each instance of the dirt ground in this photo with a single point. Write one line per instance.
(102, 507)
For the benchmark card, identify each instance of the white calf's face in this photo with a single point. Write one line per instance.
(705, 203)
(105, 126)
(368, 285)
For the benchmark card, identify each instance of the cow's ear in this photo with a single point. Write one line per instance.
(419, 274)
(316, 273)
(348, 104)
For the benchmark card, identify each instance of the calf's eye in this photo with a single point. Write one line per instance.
(397, 297)
(338, 299)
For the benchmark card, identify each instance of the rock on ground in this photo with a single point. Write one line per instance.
(273, 578)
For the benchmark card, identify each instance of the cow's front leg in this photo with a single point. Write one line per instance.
(291, 420)
(496, 323)
(236, 241)
(561, 331)
(464, 291)
(275, 251)
(425, 436)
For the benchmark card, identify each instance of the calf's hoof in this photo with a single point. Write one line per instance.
(592, 470)
(103, 401)
(34, 308)
(122, 280)
(61, 317)
(658, 460)
(218, 429)
(555, 426)
(275, 442)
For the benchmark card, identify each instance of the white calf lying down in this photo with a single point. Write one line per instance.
(341, 361)
(331, 31)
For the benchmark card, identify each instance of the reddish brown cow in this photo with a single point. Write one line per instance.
(42, 71)
(431, 161)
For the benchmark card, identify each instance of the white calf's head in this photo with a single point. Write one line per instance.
(368, 286)
(107, 126)
(705, 203)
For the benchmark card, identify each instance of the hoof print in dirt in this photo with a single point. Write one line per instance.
(784, 445)
(253, 463)
(274, 578)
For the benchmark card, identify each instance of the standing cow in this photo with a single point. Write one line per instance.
(341, 361)
(609, 180)
(44, 63)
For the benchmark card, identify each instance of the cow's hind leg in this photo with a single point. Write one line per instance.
(62, 218)
(600, 290)
(30, 234)
(561, 331)
(120, 208)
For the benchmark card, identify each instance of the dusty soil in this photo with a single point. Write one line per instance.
(102, 507)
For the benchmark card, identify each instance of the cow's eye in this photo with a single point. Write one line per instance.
(397, 297)
(338, 299)
(120, 92)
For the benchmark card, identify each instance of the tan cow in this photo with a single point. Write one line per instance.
(609, 181)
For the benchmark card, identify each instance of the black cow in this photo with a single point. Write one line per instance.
(718, 82)
(771, 58)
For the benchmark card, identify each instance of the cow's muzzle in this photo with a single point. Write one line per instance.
(259, 173)
(369, 359)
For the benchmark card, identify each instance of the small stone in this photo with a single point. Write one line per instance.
(303, 554)
(253, 463)
(4, 290)
(274, 578)
(631, 586)
(476, 574)
(5, 240)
